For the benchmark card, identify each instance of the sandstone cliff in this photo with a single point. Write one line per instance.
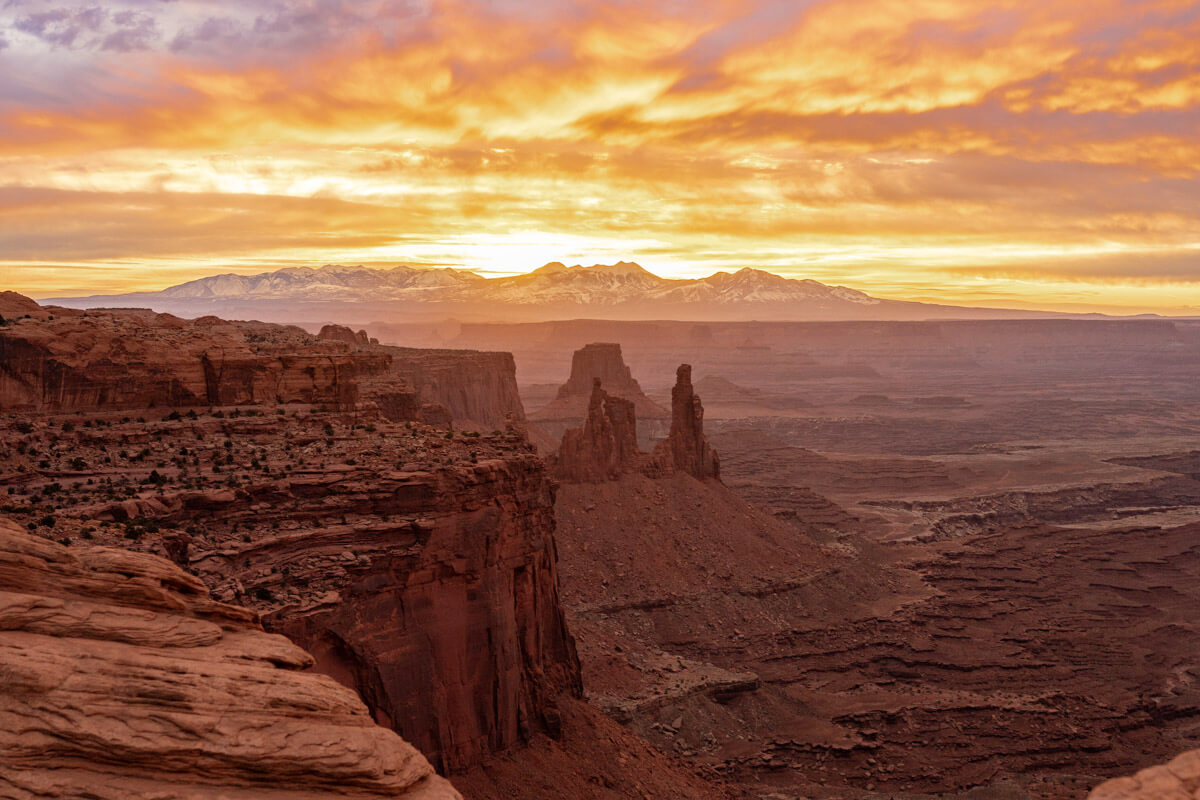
(122, 679)
(61, 359)
(603, 362)
(418, 565)
(605, 447)
(68, 360)
(478, 389)
(446, 617)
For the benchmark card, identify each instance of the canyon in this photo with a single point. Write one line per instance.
(932, 560)
(415, 562)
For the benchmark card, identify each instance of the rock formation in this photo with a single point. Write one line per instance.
(606, 446)
(454, 599)
(685, 449)
(340, 333)
(604, 362)
(417, 564)
(122, 679)
(68, 360)
(476, 387)
(63, 359)
(1177, 780)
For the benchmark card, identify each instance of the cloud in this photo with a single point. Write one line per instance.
(956, 129)
(62, 27)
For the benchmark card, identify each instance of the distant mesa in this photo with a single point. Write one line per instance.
(603, 362)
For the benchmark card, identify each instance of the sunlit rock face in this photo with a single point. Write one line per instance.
(123, 679)
(1178, 779)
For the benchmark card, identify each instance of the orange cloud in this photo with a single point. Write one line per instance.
(883, 140)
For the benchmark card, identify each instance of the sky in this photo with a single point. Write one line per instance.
(1022, 154)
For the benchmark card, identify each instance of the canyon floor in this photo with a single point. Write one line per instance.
(935, 571)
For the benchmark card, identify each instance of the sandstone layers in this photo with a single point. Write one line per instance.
(122, 679)
(445, 617)
(59, 360)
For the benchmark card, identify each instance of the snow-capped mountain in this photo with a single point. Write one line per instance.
(625, 290)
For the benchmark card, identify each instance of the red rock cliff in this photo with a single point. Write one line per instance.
(477, 388)
(68, 360)
(433, 592)
(124, 681)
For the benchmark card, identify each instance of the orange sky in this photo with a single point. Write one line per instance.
(993, 153)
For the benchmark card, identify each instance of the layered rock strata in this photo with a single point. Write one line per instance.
(59, 359)
(122, 679)
(62, 360)
(418, 564)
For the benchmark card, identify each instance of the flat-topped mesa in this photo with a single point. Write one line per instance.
(61, 359)
(686, 449)
(605, 447)
(601, 361)
(123, 680)
(477, 388)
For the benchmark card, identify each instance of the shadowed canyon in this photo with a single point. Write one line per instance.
(909, 560)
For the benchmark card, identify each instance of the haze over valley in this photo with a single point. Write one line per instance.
(599, 400)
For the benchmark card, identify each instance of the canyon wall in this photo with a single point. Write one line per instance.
(419, 566)
(476, 387)
(67, 360)
(58, 359)
(445, 618)
(123, 680)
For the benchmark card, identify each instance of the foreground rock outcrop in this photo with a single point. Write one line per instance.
(605, 446)
(122, 679)
(1177, 780)
(417, 564)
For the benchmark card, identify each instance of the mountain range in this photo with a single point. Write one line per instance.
(625, 290)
